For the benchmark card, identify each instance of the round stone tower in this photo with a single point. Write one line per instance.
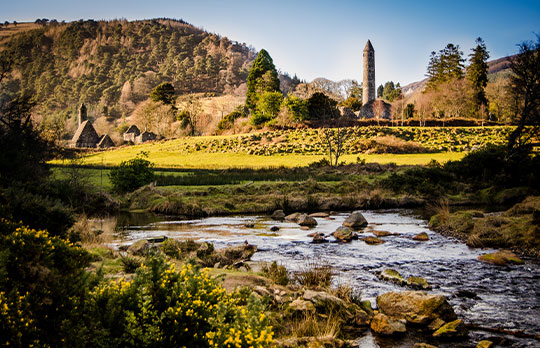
(369, 74)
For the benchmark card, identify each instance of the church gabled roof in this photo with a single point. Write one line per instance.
(133, 129)
(85, 134)
(105, 142)
(368, 47)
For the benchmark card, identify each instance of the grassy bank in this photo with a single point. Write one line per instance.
(517, 228)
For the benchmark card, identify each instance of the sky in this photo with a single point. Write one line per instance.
(325, 38)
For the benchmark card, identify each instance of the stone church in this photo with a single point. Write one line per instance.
(86, 136)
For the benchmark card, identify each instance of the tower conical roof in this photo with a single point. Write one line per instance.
(368, 47)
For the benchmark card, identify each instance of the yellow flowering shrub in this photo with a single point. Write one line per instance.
(168, 307)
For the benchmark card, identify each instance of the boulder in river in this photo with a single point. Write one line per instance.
(381, 233)
(484, 344)
(278, 215)
(373, 240)
(416, 307)
(418, 283)
(422, 237)
(355, 220)
(453, 330)
(318, 238)
(501, 258)
(274, 228)
(393, 276)
(319, 215)
(344, 234)
(306, 220)
(423, 345)
(384, 325)
(293, 217)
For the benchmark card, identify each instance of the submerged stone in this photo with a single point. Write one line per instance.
(501, 258)
(373, 240)
(484, 344)
(453, 330)
(418, 283)
(393, 276)
(422, 236)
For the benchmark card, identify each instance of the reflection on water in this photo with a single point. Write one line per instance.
(506, 297)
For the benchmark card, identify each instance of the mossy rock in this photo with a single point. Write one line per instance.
(484, 344)
(501, 258)
(373, 240)
(453, 330)
(393, 276)
(416, 307)
(418, 283)
(422, 236)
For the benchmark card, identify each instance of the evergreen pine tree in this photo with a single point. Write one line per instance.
(477, 72)
(262, 77)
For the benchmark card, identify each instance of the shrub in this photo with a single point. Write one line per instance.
(353, 103)
(165, 307)
(132, 174)
(297, 108)
(42, 286)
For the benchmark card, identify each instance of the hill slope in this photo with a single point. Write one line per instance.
(115, 64)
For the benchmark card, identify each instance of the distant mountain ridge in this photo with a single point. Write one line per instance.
(112, 65)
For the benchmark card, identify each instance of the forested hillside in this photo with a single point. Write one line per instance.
(113, 65)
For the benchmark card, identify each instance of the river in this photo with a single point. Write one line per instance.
(482, 294)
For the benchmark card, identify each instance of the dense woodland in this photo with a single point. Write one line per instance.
(114, 64)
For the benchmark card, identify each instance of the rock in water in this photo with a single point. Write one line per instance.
(422, 236)
(416, 307)
(381, 233)
(393, 276)
(453, 330)
(423, 345)
(319, 215)
(385, 325)
(318, 238)
(278, 215)
(274, 228)
(484, 344)
(355, 220)
(501, 258)
(293, 217)
(306, 220)
(344, 234)
(418, 283)
(373, 240)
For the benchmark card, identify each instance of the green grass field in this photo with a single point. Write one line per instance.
(300, 147)
(203, 160)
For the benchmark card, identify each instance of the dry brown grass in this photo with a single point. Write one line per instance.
(314, 274)
(312, 325)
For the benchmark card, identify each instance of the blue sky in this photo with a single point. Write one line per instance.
(325, 38)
